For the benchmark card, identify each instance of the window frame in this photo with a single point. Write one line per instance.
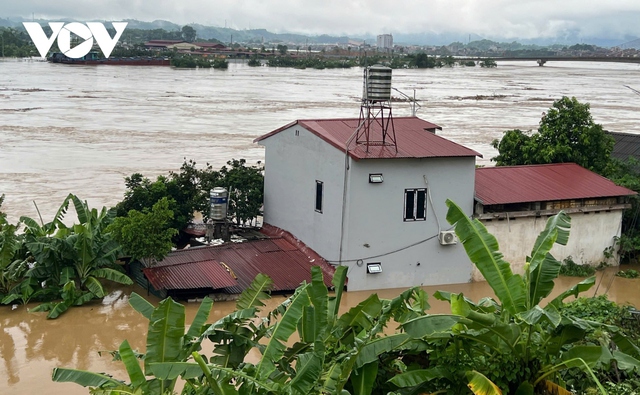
(319, 197)
(414, 209)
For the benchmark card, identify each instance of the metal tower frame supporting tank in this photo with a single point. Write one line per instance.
(376, 115)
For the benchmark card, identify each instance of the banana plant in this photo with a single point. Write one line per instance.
(536, 341)
(332, 353)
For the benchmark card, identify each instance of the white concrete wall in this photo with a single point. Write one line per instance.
(292, 166)
(590, 234)
(375, 222)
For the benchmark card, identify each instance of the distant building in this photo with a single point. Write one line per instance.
(385, 42)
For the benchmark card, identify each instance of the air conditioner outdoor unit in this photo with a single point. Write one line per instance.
(447, 237)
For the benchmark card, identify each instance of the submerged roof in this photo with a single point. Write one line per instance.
(232, 267)
(539, 183)
(413, 138)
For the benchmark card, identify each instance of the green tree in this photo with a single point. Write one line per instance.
(567, 133)
(146, 235)
(188, 33)
(246, 189)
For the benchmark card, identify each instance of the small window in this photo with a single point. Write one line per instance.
(415, 204)
(319, 193)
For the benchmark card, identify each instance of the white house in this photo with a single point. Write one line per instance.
(380, 210)
(514, 202)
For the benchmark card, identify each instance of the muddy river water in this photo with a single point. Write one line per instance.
(82, 129)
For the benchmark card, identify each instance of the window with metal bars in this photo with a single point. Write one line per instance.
(415, 204)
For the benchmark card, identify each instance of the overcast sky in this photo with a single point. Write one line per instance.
(504, 19)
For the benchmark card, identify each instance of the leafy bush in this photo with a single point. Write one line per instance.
(631, 273)
(570, 268)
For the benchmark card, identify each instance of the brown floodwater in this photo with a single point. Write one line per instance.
(31, 346)
(82, 129)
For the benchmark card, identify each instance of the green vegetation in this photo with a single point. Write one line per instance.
(16, 43)
(510, 345)
(570, 268)
(567, 133)
(145, 235)
(194, 61)
(59, 265)
(488, 63)
(631, 273)
(187, 191)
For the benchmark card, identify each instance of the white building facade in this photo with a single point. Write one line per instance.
(384, 42)
(379, 211)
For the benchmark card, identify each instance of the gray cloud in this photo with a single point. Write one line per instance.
(504, 19)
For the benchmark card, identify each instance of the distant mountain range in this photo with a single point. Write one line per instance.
(428, 38)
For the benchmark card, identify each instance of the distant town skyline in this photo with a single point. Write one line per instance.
(492, 19)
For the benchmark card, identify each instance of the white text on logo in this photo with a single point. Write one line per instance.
(63, 32)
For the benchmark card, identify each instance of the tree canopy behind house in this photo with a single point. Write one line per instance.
(567, 133)
(187, 191)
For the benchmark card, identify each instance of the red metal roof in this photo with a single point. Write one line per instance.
(413, 139)
(539, 183)
(203, 274)
(288, 266)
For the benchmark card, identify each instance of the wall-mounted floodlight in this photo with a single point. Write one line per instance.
(373, 268)
(375, 178)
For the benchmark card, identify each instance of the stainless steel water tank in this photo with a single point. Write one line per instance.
(218, 203)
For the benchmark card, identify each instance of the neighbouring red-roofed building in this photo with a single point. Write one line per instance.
(377, 208)
(230, 268)
(162, 44)
(514, 202)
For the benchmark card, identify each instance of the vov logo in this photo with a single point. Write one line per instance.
(88, 32)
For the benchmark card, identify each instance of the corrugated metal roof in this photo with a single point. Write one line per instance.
(626, 145)
(540, 183)
(287, 265)
(192, 275)
(413, 139)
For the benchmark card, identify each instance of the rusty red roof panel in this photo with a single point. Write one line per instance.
(413, 139)
(539, 183)
(288, 266)
(203, 274)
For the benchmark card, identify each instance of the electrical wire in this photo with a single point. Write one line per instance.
(388, 253)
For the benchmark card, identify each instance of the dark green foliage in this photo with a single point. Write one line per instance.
(187, 191)
(145, 235)
(188, 33)
(488, 63)
(17, 43)
(631, 273)
(567, 133)
(570, 268)
(254, 62)
(56, 264)
(195, 61)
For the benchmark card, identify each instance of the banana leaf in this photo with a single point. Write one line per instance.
(141, 305)
(283, 329)
(83, 378)
(131, 364)
(482, 249)
(256, 293)
(543, 267)
(479, 384)
(364, 378)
